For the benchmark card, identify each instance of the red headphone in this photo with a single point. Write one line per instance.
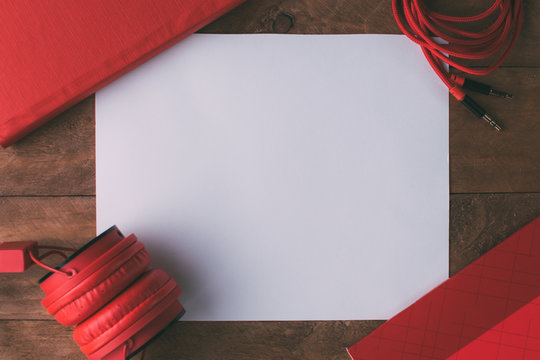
(106, 289)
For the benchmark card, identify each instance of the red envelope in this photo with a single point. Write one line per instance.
(54, 53)
(489, 310)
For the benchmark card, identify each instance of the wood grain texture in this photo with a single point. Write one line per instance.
(484, 160)
(359, 17)
(260, 340)
(477, 223)
(37, 340)
(56, 159)
(59, 159)
(61, 221)
(198, 340)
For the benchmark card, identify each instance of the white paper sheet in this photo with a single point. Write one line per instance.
(282, 177)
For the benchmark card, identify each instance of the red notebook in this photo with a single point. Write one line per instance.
(53, 54)
(489, 310)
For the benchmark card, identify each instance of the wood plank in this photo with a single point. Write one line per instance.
(477, 223)
(484, 160)
(61, 221)
(324, 340)
(56, 159)
(37, 340)
(315, 340)
(359, 17)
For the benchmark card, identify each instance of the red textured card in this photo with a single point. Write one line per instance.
(55, 53)
(489, 310)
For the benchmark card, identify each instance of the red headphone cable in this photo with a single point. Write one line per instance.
(128, 304)
(17, 256)
(419, 24)
(55, 250)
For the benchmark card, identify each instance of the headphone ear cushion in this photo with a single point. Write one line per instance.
(89, 296)
(122, 312)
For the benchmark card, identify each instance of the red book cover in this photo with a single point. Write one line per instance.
(489, 310)
(54, 53)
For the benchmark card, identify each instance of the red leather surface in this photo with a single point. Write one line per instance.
(91, 270)
(87, 298)
(108, 297)
(55, 285)
(98, 280)
(56, 53)
(123, 311)
(489, 310)
(142, 330)
(114, 305)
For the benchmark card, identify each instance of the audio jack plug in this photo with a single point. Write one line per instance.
(479, 87)
(473, 106)
(479, 111)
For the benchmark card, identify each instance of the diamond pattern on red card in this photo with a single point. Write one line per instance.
(489, 310)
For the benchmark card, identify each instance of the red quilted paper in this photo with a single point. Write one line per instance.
(489, 310)
(55, 53)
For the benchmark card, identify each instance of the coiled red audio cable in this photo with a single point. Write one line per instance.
(495, 41)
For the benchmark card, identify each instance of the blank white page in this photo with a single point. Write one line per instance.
(282, 177)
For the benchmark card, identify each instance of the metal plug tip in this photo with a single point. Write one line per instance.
(491, 122)
(495, 92)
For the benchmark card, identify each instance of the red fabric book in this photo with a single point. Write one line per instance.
(489, 310)
(53, 54)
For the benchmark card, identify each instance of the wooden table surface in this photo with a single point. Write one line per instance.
(47, 191)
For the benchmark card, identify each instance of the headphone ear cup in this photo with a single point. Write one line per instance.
(134, 316)
(89, 297)
(103, 271)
